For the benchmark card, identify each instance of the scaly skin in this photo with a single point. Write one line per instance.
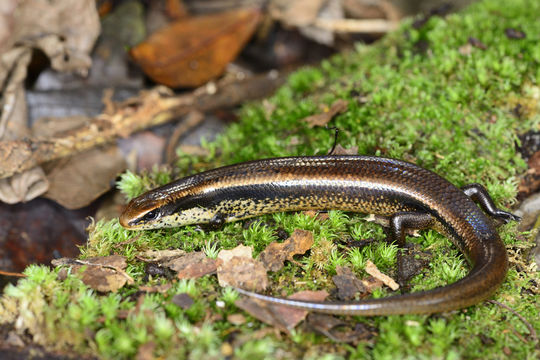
(388, 187)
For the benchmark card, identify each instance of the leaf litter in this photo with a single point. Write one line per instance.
(102, 273)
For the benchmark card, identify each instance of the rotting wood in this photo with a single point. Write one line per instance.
(150, 108)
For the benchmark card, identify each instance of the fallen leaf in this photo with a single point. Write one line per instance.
(104, 273)
(339, 330)
(146, 351)
(183, 300)
(81, 179)
(23, 187)
(160, 255)
(180, 263)
(162, 288)
(300, 12)
(198, 269)
(275, 254)
(340, 150)
(410, 262)
(236, 319)
(291, 316)
(65, 40)
(372, 283)
(348, 284)
(319, 215)
(465, 49)
(285, 318)
(242, 272)
(338, 107)
(236, 267)
(226, 350)
(381, 9)
(145, 147)
(260, 312)
(512, 33)
(240, 251)
(477, 43)
(372, 270)
(192, 51)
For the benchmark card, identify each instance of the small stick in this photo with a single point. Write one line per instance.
(9, 273)
(532, 332)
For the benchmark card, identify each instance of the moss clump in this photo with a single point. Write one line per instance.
(421, 95)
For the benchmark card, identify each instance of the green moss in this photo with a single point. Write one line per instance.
(421, 95)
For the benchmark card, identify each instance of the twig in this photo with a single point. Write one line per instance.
(366, 26)
(532, 332)
(192, 120)
(9, 273)
(150, 108)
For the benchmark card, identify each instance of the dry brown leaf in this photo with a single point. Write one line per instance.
(372, 270)
(65, 39)
(240, 251)
(338, 107)
(340, 150)
(300, 12)
(291, 316)
(283, 317)
(319, 215)
(347, 283)
(146, 351)
(236, 319)
(337, 329)
(182, 300)
(275, 254)
(236, 267)
(103, 273)
(162, 288)
(367, 9)
(180, 263)
(244, 273)
(160, 255)
(260, 312)
(198, 269)
(81, 179)
(192, 51)
(24, 186)
(372, 283)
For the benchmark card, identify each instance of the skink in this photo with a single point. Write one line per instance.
(410, 196)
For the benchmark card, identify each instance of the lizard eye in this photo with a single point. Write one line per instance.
(151, 215)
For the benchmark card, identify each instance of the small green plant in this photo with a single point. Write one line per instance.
(211, 249)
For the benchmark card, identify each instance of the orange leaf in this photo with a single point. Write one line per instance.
(192, 51)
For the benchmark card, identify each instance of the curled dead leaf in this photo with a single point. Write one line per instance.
(275, 254)
(81, 179)
(187, 265)
(236, 267)
(339, 106)
(372, 270)
(104, 273)
(194, 50)
(24, 186)
(348, 284)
